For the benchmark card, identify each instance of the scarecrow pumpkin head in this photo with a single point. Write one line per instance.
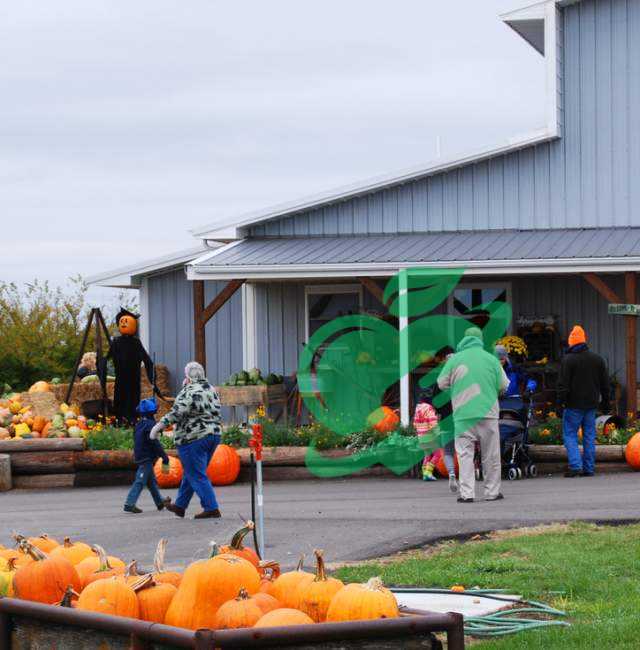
(127, 322)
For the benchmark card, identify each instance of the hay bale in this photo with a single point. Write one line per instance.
(44, 404)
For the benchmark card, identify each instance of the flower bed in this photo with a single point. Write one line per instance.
(547, 430)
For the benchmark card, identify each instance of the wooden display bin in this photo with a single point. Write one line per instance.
(254, 396)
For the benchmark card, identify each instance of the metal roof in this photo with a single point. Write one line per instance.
(504, 249)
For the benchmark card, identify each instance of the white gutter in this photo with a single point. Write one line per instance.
(483, 267)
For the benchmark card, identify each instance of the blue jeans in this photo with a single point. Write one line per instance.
(195, 457)
(144, 478)
(572, 420)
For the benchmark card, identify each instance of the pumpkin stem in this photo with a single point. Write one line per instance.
(143, 583)
(11, 564)
(18, 538)
(214, 549)
(33, 551)
(67, 542)
(158, 558)
(69, 594)
(131, 569)
(269, 569)
(300, 566)
(238, 538)
(242, 594)
(321, 576)
(104, 560)
(374, 584)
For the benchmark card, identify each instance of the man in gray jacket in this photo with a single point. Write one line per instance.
(475, 378)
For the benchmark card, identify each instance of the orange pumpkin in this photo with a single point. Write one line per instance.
(40, 387)
(45, 579)
(173, 478)
(160, 574)
(315, 597)
(206, 585)
(45, 543)
(441, 468)
(266, 602)
(99, 566)
(383, 419)
(154, 598)
(285, 587)
(237, 548)
(128, 325)
(75, 552)
(363, 602)
(242, 611)
(632, 451)
(39, 423)
(17, 555)
(109, 596)
(284, 616)
(224, 466)
(46, 430)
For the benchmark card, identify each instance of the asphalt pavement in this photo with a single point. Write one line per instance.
(350, 519)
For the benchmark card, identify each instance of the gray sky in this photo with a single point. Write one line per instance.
(123, 124)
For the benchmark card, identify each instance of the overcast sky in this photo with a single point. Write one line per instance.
(123, 124)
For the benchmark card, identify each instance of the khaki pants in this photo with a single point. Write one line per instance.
(487, 434)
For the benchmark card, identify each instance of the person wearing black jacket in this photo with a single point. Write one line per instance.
(583, 386)
(146, 452)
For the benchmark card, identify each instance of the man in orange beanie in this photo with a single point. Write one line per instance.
(582, 387)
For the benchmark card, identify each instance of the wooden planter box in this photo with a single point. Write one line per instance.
(252, 395)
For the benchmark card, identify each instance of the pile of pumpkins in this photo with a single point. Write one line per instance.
(231, 589)
(18, 421)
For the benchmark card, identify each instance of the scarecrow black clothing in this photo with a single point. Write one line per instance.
(584, 381)
(127, 353)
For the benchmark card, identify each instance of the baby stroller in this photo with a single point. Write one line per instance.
(515, 418)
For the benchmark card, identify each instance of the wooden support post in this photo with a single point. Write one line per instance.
(199, 323)
(373, 288)
(632, 343)
(602, 287)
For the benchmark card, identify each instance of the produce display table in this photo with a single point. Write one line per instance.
(254, 396)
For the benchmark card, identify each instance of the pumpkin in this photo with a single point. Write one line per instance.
(632, 451)
(285, 587)
(160, 574)
(314, 597)
(154, 598)
(284, 616)
(270, 571)
(224, 466)
(75, 552)
(206, 585)
(127, 325)
(99, 566)
(441, 468)
(39, 423)
(383, 419)
(40, 387)
(4, 433)
(109, 596)
(71, 422)
(266, 602)
(15, 407)
(363, 602)
(131, 573)
(173, 478)
(7, 571)
(236, 547)
(45, 543)
(242, 611)
(46, 578)
(20, 557)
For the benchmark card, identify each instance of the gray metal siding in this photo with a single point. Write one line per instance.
(171, 327)
(584, 179)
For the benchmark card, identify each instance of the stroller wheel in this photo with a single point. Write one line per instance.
(519, 472)
(512, 474)
(532, 470)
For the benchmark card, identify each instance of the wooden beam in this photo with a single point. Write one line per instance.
(218, 302)
(199, 323)
(602, 287)
(632, 343)
(373, 288)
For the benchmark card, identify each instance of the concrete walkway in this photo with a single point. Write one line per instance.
(350, 519)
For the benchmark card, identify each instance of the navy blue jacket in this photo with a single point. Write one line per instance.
(146, 450)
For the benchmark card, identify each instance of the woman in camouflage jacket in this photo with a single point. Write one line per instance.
(197, 428)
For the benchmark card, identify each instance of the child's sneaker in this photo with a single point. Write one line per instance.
(429, 477)
(132, 509)
(453, 483)
(427, 472)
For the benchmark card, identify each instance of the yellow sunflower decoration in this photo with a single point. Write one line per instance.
(514, 345)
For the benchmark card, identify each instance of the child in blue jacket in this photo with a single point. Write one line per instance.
(146, 453)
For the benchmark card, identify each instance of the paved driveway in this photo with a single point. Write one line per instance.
(350, 519)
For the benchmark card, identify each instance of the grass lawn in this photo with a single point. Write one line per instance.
(591, 572)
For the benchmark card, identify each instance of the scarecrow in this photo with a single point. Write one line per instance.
(127, 353)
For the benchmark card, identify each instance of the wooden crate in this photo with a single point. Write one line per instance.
(252, 395)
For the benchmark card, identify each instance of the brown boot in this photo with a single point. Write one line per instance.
(209, 514)
(177, 510)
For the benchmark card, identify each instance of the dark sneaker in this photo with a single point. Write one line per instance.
(572, 473)
(587, 473)
(163, 504)
(208, 514)
(132, 509)
(172, 507)
(498, 497)
(462, 500)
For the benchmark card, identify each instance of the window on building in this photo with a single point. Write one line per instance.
(467, 299)
(326, 302)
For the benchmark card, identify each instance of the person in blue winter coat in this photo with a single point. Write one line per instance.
(514, 374)
(146, 452)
